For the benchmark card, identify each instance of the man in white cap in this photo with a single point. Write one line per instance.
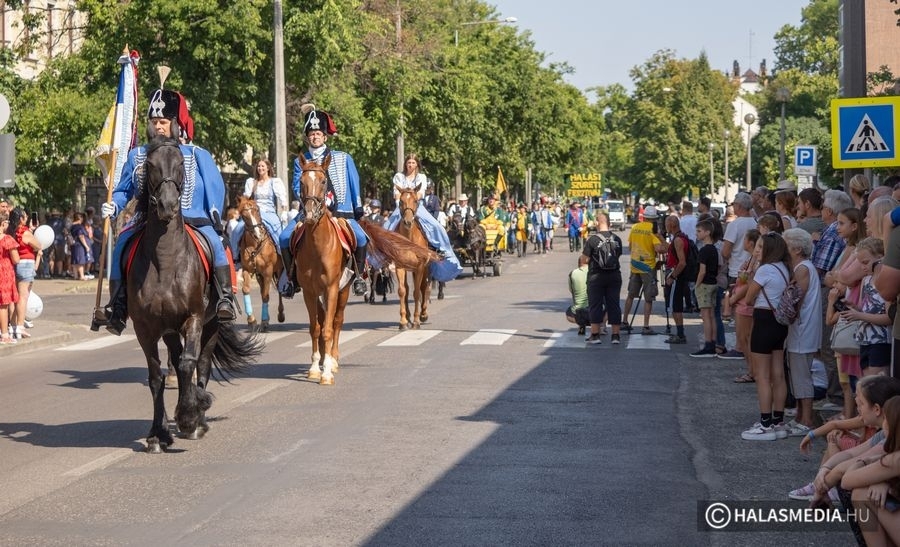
(461, 208)
(644, 243)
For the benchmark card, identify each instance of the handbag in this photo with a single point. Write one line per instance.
(843, 337)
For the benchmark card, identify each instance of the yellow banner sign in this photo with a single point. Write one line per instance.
(584, 184)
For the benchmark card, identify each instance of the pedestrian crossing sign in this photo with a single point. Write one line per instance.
(864, 132)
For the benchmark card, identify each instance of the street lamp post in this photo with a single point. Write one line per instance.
(727, 135)
(749, 119)
(712, 182)
(458, 163)
(486, 22)
(782, 95)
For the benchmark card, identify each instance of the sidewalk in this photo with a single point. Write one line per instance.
(47, 332)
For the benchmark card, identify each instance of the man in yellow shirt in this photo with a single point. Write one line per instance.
(643, 243)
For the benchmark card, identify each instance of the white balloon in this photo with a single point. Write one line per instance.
(34, 307)
(44, 235)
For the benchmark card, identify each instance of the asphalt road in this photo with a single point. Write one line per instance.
(493, 425)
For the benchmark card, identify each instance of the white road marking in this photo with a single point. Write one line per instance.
(101, 462)
(565, 339)
(98, 343)
(637, 341)
(273, 336)
(488, 337)
(410, 338)
(346, 336)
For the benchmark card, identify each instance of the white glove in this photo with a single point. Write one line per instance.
(284, 218)
(108, 209)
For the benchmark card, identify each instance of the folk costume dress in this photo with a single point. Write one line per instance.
(444, 270)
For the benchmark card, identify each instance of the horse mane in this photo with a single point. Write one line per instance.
(396, 248)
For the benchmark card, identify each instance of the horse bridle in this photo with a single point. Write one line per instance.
(252, 231)
(153, 198)
(403, 207)
(319, 202)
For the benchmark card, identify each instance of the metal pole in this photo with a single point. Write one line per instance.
(749, 187)
(727, 134)
(781, 149)
(711, 177)
(281, 159)
(458, 167)
(400, 141)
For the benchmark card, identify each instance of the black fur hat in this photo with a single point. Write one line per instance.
(164, 103)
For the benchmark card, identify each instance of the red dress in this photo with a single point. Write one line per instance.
(8, 291)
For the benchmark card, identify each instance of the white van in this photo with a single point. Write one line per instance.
(615, 208)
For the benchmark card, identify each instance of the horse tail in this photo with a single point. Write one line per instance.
(235, 352)
(396, 248)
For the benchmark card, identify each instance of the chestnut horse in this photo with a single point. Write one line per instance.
(260, 259)
(167, 283)
(409, 228)
(320, 261)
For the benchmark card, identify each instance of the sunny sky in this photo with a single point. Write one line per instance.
(603, 39)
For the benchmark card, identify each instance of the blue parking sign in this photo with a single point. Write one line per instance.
(805, 160)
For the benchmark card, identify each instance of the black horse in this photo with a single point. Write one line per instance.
(475, 244)
(167, 285)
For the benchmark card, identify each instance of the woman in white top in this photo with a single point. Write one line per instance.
(444, 270)
(805, 333)
(270, 194)
(767, 337)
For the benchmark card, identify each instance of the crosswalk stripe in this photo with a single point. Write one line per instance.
(411, 338)
(488, 337)
(565, 339)
(636, 341)
(98, 343)
(346, 336)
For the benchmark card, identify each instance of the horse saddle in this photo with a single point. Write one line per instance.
(344, 231)
(200, 243)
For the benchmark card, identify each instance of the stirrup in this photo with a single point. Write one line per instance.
(360, 287)
(225, 310)
(288, 290)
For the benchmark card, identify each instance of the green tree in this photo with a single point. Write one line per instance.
(679, 106)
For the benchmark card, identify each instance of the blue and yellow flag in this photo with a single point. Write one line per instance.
(119, 133)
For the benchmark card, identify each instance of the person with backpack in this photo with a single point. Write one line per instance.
(683, 263)
(604, 282)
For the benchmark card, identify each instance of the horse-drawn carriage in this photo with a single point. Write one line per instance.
(477, 244)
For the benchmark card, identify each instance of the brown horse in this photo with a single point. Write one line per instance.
(320, 260)
(409, 228)
(260, 259)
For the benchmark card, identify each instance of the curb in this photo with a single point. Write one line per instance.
(34, 343)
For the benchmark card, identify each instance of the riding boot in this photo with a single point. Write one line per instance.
(225, 305)
(290, 285)
(359, 258)
(117, 309)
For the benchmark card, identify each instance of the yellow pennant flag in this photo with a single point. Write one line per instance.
(501, 183)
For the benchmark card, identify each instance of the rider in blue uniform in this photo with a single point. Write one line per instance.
(345, 203)
(203, 197)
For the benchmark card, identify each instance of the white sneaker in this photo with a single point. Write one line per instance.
(781, 430)
(28, 324)
(798, 430)
(759, 433)
(88, 277)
